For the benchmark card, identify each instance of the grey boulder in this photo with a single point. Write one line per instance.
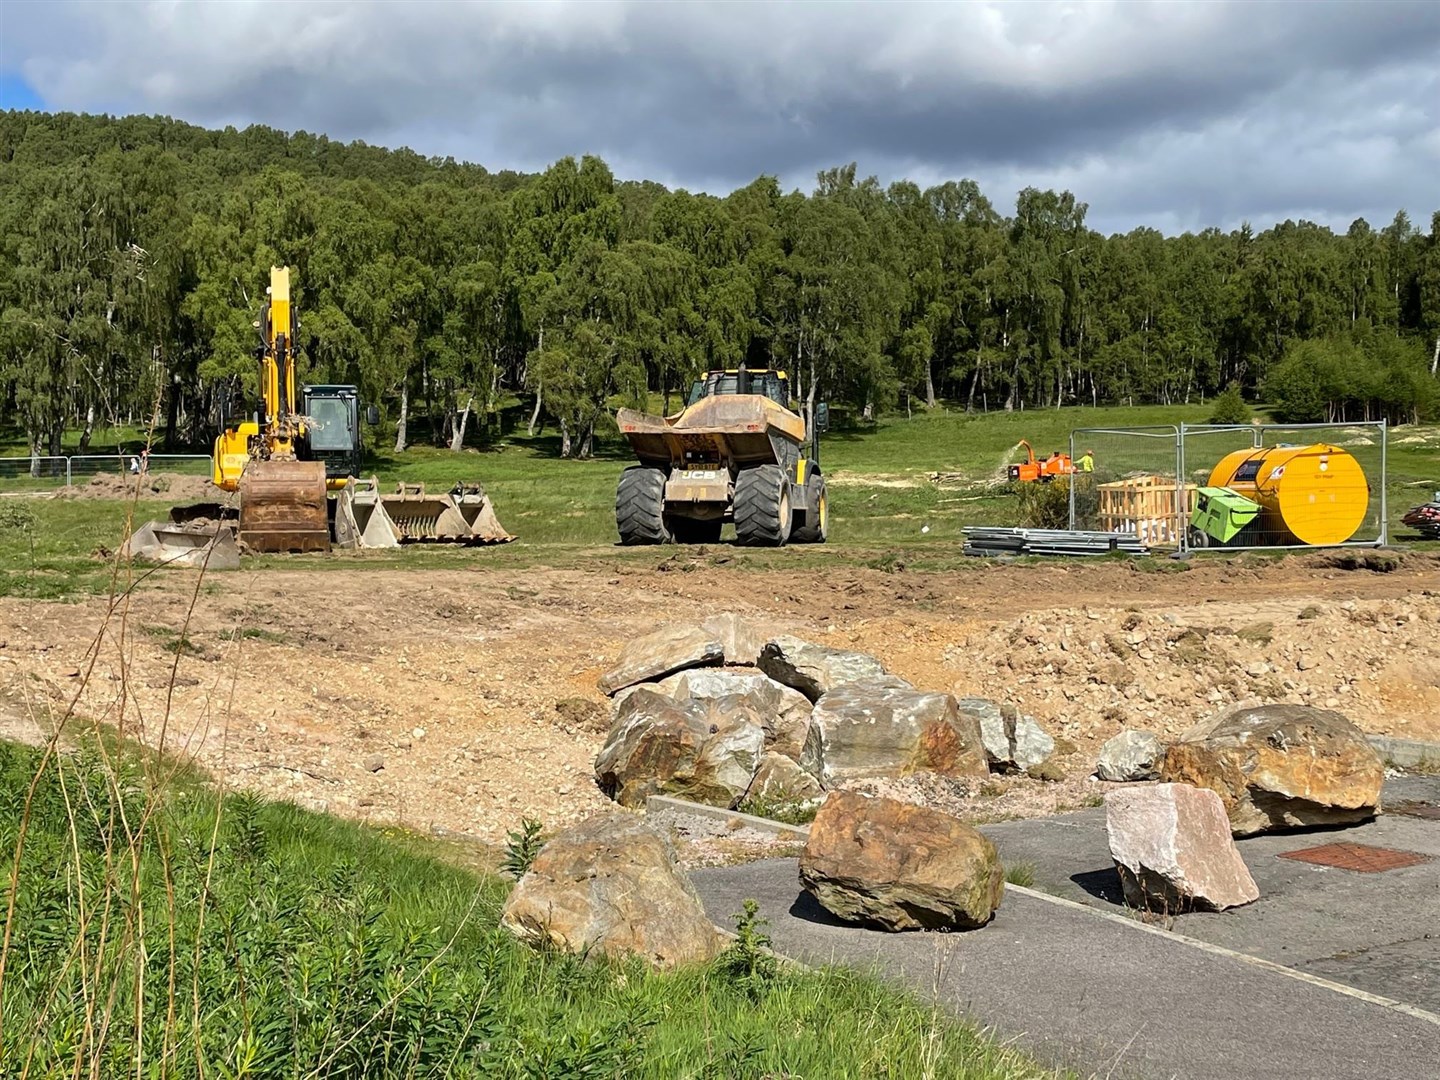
(670, 649)
(1132, 755)
(1013, 742)
(815, 669)
(859, 731)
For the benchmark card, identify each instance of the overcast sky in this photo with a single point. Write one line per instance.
(1176, 115)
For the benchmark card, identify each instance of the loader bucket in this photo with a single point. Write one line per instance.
(211, 546)
(282, 506)
(367, 518)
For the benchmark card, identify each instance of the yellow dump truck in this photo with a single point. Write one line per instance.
(736, 452)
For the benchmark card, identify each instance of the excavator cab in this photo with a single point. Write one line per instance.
(332, 430)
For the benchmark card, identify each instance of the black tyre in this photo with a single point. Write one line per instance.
(694, 531)
(762, 506)
(640, 506)
(816, 526)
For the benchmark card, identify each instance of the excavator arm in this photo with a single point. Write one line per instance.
(282, 499)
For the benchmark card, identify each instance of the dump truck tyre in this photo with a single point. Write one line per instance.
(817, 520)
(640, 506)
(762, 506)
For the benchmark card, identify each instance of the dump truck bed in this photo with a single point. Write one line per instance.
(745, 428)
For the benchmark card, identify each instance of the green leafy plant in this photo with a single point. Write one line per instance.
(521, 847)
(1022, 874)
(1229, 407)
(748, 959)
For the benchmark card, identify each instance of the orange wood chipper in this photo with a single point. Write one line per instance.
(1043, 469)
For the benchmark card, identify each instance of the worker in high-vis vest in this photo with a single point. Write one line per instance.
(1087, 461)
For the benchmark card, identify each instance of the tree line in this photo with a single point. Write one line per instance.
(136, 251)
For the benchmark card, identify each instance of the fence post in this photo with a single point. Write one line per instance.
(1182, 504)
(67, 471)
(1384, 483)
(1074, 479)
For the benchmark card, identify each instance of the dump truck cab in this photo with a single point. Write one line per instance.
(736, 452)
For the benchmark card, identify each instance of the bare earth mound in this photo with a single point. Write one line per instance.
(428, 697)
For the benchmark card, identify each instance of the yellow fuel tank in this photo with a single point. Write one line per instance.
(1309, 494)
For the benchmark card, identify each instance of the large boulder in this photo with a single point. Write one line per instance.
(1172, 846)
(1013, 742)
(899, 866)
(858, 731)
(670, 649)
(702, 750)
(611, 886)
(815, 669)
(781, 783)
(1281, 766)
(741, 638)
(1131, 755)
(783, 712)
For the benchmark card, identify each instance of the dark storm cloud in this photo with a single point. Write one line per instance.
(1176, 115)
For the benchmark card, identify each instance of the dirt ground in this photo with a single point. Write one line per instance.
(428, 697)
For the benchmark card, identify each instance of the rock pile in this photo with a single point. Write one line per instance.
(1088, 674)
(712, 714)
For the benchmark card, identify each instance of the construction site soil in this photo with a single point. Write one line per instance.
(461, 700)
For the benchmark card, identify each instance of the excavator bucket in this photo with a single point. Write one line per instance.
(368, 518)
(282, 506)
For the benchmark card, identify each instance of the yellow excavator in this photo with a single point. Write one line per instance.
(301, 447)
(283, 504)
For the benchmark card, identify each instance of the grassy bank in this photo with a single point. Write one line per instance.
(160, 930)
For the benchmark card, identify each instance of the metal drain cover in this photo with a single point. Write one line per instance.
(1362, 858)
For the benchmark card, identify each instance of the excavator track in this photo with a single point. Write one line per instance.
(282, 506)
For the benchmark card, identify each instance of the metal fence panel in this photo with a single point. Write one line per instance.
(1132, 485)
(96, 464)
(44, 473)
(1301, 485)
(33, 473)
(1319, 485)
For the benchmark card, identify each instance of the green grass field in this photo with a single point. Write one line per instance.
(160, 929)
(884, 506)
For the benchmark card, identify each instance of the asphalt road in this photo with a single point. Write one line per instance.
(1091, 989)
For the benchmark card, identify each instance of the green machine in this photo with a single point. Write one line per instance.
(1219, 515)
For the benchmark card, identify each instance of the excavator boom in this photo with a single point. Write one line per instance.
(282, 499)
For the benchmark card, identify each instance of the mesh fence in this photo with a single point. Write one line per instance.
(33, 473)
(47, 473)
(1302, 485)
(1244, 486)
(1132, 484)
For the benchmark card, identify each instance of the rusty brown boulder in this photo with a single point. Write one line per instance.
(861, 731)
(672, 648)
(1281, 766)
(705, 750)
(611, 886)
(899, 866)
